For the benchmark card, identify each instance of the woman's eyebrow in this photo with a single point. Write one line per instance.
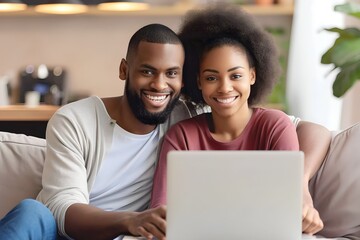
(234, 68)
(215, 71)
(210, 70)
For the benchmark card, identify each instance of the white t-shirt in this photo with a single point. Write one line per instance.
(124, 180)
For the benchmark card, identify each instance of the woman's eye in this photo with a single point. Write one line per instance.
(210, 78)
(236, 76)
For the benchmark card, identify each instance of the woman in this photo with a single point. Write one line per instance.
(231, 65)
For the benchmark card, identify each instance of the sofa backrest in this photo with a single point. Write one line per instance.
(336, 186)
(21, 165)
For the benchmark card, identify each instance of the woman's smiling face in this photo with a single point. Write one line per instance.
(225, 79)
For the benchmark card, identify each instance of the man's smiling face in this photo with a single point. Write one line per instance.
(154, 81)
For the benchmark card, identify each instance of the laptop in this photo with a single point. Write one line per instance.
(234, 195)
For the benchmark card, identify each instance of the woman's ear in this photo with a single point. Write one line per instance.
(252, 76)
(123, 69)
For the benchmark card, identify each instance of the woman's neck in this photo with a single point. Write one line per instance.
(226, 129)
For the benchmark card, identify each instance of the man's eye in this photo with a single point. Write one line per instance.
(147, 72)
(172, 73)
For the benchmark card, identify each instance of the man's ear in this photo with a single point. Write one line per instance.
(252, 76)
(123, 69)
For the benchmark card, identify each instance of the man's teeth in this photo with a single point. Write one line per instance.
(156, 98)
(225, 100)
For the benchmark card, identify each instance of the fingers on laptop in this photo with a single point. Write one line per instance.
(153, 224)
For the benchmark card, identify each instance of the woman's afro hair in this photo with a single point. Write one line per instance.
(202, 27)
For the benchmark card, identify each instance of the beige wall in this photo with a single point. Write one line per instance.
(351, 108)
(89, 47)
(351, 100)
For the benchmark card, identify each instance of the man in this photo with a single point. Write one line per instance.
(101, 153)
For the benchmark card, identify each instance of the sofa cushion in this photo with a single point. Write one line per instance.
(21, 161)
(336, 186)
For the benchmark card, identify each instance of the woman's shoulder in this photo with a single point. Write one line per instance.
(271, 115)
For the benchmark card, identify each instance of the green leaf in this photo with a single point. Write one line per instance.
(352, 9)
(327, 56)
(345, 33)
(346, 52)
(346, 78)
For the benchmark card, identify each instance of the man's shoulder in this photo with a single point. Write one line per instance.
(79, 106)
(82, 112)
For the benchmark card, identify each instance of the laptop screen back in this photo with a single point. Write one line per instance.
(234, 195)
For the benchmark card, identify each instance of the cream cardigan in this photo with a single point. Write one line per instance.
(77, 137)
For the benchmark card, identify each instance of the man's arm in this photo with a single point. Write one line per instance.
(67, 170)
(83, 221)
(314, 141)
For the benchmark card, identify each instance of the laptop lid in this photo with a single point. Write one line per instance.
(234, 195)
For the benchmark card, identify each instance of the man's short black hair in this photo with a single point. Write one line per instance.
(153, 33)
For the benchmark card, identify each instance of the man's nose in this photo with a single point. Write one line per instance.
(159, 82)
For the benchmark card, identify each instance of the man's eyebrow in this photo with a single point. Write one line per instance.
(153, 68)
(147, 66)
(174, 68)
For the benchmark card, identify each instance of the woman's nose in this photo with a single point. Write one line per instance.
(225, 86)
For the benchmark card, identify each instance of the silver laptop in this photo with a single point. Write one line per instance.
(234, 195)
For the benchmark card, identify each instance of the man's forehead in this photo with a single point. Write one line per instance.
(159, 53)
(151, 46)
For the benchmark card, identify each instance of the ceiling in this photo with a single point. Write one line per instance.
(32, 2)
(94, 2)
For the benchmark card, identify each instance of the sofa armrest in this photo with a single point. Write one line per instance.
(21, 161)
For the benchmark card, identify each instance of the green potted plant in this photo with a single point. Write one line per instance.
(345, 52)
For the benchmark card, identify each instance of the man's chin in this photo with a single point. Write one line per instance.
(153, 120)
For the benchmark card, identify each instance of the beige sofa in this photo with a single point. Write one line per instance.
(335, 188)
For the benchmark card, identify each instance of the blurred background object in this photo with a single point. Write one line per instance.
(12, 6)
(61, 7)
(4, 91)
(49, 82)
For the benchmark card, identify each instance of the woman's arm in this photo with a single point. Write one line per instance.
(174, 139)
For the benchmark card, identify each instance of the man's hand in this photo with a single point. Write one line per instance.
(149, 224)
(311, 221)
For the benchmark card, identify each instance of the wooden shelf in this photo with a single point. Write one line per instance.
(171, 10)
(25, 113)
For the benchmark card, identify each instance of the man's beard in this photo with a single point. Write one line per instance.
(143, 115)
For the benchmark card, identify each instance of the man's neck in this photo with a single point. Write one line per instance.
(118, 108)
